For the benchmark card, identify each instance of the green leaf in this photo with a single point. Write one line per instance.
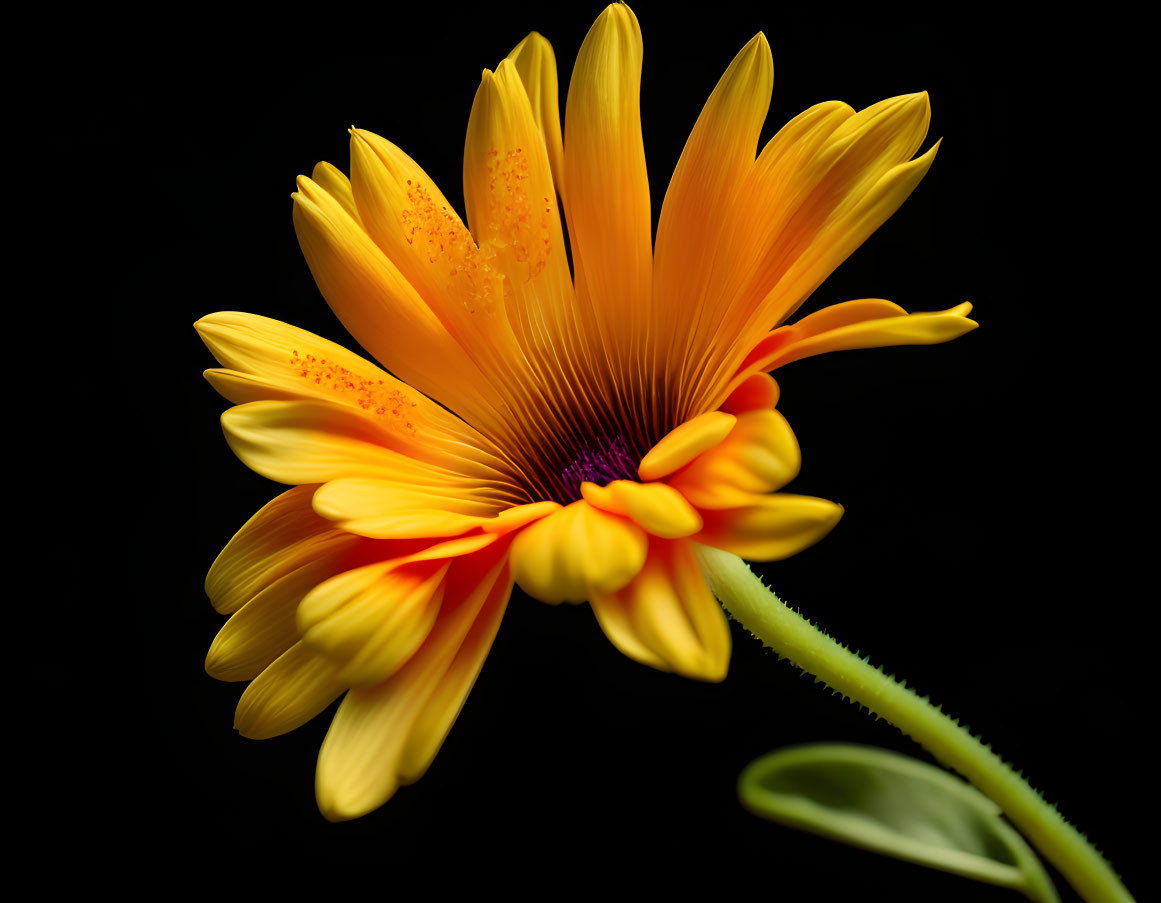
(895, 805)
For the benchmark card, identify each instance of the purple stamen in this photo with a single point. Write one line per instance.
(602, 460)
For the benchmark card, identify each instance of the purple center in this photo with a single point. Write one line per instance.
(601, 460)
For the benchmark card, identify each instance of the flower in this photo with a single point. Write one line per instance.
(604, 423)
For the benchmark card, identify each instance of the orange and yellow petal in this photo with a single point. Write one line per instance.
(771, 527)
(314, 442)
(510, 197)
(819, 188)
(282, 537)
(656, 508)
(684, 443)
(266, 360)
(536, 65)
(449, 693)
(379, 736)
(609, 219)
(869, 323)
(755, 392)
(759, 455)
(366, 289)
(370, 620)
(667, 617)
(693, 273)
(394, 509)
(576, 552)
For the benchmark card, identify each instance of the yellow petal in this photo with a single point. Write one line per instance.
(313, 442)
(575, 552)
(610, 226)
(387, 509)
(655, 507)
(282, 537)
(684, 443)
(871, 323)
(536, 65)
(772, 527)
(263, 628)
(370, 620)
(359, 763)
(759, 455)
(290, 692)
(366, 290)
(667, 617)
(521, 515)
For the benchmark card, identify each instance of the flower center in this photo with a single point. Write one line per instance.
(600, 460)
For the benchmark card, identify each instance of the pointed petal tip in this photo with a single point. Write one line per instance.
(757, 42)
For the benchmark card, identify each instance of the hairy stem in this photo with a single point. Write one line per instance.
(795, 638)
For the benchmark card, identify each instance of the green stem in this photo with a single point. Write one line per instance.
(793, 637)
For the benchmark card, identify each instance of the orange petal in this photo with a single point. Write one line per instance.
(609, 220)
(692, 266)
(536, 65)
(754, 393)
(817, 190)
(509, 195)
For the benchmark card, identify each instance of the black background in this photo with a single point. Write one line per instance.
(982, 555)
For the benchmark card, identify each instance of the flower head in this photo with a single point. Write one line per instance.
(576, 433)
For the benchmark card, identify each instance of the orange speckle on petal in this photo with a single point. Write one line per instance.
(368, 394)
(439, 232)
(512, 220)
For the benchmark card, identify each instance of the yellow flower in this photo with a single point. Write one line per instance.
(604, 421)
